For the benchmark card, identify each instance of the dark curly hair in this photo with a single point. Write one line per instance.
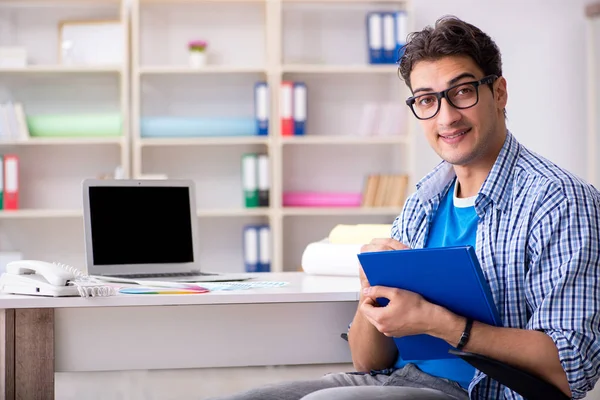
(450, 37)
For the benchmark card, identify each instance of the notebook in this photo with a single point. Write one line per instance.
(449, 276)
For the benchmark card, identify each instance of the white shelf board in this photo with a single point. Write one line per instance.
(66, 141)
(346, 1)
(198, 1)
(205, 141)
(62, 69)
(339, 140)
(48, 213)
(57, 3)
(75, 213)
(340, 69)
(344, 211)
(235, 212)
(209, 69)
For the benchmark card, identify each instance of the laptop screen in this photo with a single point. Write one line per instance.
(140, 225)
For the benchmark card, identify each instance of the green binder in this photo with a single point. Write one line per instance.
(250, 179)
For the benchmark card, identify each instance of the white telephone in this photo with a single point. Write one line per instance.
(41, 278)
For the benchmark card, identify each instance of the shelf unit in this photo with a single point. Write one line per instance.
(249, 41)
(592, 13)
(276, 40)
(48, 224)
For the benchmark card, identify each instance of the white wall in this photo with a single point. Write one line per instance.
(544, 62)
(543, 45)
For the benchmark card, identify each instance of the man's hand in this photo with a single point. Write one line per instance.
(371, 350)
(407, 313)
(378, 244)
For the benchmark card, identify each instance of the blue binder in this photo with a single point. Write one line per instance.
(401, 33)
(261, 108)
(251, 248)
(450, 277)
(300, 105)
(264, 248)
(374, 23)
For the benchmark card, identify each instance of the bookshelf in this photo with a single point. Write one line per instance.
(48, 223)
(320, 42)
(593, 35)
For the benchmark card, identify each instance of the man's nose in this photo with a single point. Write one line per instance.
(448, 114)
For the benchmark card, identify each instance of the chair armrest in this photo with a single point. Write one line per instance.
(527, 385)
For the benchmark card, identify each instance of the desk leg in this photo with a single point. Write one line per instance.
(27, 362)
(7, 360)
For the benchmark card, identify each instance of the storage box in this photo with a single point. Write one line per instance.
(75, 125)
(13, 57)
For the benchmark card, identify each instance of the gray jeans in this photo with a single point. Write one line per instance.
(404, 383)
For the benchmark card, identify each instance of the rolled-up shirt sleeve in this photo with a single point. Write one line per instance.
(563, 285)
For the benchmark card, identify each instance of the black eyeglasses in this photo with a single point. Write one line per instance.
(461, 96)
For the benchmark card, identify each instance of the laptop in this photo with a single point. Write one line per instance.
(144, 230)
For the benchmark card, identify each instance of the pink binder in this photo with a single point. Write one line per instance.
(321, 199)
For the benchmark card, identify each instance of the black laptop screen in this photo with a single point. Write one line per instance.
(140, 225)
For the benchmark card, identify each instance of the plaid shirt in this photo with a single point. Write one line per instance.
(538, 242)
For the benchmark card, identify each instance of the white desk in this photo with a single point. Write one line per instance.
(297, 324)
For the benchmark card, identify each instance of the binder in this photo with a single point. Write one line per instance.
(264, 183)
(1, 182)
(375, 37)
(264, 248)
(450, 277)
(287, 118)
(250, 248)
(389, 37)
(401, 32)
(261, 108)
(249, 179)
(300, 105)
(11, 182)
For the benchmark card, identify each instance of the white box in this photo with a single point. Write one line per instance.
(13, 57)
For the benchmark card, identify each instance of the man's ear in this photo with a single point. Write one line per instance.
(500, 93)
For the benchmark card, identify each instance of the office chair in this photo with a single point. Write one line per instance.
(527, 385)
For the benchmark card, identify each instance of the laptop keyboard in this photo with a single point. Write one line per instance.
(167, 275)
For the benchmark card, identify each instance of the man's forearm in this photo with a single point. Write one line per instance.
(529, 350)
(371, 349)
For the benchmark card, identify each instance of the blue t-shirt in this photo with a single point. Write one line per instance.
(455, 224)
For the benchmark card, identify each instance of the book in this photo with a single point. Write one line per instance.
(450, 277)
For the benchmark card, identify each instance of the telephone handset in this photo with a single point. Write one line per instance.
(42, 278)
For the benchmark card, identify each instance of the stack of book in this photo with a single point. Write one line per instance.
(13, 124)
(385, 191)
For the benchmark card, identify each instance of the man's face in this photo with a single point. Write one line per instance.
(461, 136)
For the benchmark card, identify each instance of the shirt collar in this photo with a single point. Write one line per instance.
(496, 188)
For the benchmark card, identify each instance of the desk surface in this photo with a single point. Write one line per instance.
(302, 288)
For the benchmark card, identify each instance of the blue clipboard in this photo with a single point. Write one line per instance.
(448, 276)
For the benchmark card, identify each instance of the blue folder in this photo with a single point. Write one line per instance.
(449, 276)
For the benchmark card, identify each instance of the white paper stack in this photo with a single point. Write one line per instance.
(324, 258)
(337, 254)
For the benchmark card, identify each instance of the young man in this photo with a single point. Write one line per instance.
(535, 228)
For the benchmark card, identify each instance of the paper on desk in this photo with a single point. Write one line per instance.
(216, 286)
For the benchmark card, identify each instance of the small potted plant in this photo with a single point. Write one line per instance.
(197, 49)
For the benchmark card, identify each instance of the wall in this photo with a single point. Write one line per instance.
(543, 45)
(544, 62)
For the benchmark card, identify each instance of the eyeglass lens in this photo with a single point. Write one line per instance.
(462, 96)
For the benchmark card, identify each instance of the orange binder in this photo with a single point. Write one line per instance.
(287, 117)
